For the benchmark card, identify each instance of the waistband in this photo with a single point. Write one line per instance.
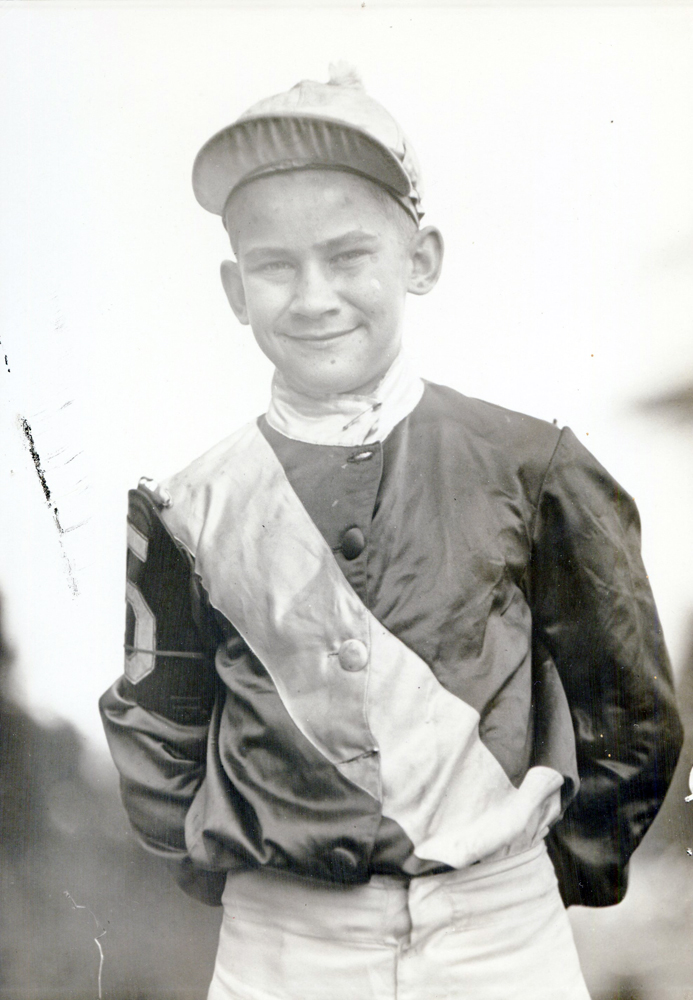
(383, 908)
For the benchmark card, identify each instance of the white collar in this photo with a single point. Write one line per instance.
(346, 420)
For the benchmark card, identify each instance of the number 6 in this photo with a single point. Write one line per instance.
(140, 658)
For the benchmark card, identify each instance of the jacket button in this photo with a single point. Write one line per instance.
(353, 543)
(353, 655)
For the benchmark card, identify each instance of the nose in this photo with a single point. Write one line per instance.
(314, 293)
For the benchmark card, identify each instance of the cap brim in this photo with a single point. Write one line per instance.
(256, 146)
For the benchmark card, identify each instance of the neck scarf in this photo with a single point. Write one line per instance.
(346, 419)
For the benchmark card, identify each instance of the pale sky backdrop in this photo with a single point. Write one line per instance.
(557, 150)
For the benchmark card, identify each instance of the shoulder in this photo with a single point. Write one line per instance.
(488, 421)
(180, 501)
(500, 439)
(212, 463)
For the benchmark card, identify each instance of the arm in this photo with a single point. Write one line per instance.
(595, 615)
(157, 715)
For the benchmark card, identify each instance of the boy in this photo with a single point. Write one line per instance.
(387, 642)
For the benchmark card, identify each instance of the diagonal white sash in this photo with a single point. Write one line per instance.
(391, 728)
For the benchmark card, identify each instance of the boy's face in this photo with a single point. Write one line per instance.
(323, 267)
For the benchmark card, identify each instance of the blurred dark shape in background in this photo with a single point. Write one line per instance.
(70, 869)
(629, 989)
(677, 403)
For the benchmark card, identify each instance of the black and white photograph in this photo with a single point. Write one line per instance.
(346, 584)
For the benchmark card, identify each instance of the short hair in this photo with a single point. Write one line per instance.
(402, 220)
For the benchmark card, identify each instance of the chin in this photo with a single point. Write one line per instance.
(331, 383)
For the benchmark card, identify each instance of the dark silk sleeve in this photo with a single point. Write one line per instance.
(594, 613)
(157, 715)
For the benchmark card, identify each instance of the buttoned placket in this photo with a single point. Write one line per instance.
(360, 474)
(339, 487)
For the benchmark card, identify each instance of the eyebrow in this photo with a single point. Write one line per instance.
(353, 236)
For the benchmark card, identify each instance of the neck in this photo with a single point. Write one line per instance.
(346, 418)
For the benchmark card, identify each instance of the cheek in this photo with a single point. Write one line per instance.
(264, 302)
(382, 302)
(375, 295)
(383, 289)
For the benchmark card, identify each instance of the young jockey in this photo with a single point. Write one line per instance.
(386, 644)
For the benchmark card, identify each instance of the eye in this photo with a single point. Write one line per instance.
(270, 267)
(350, 256)
(274, 267)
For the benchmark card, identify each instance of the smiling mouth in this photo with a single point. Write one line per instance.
(321, 338)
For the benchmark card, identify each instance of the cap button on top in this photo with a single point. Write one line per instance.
(353, 543)
(353, 655)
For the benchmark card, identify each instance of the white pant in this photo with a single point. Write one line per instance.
(495, 931)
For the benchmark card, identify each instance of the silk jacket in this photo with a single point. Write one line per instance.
(508, 674)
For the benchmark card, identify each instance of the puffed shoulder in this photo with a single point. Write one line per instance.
(490, 420)
(506, 442)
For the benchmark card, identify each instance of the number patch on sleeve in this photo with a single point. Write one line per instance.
(140, 658)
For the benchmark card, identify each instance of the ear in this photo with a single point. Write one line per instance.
(233, 286)
(426, 258)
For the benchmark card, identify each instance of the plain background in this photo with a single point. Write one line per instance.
(557, 153)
